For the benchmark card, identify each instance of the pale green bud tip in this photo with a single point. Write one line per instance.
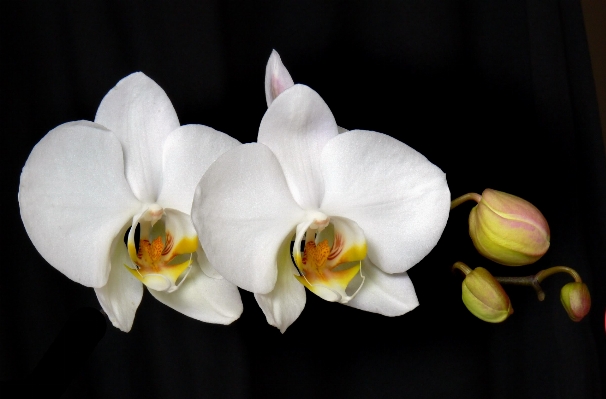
(508, 229)
(576, 300)
(484, 296)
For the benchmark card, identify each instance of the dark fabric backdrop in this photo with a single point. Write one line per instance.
(498, 94)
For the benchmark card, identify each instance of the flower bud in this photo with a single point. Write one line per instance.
(576, 300)
(484, 296)
(508, 229)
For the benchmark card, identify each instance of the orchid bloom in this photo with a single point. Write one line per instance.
(86, 184)
(343, 215)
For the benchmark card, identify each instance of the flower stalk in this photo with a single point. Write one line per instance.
(464, 198)
(535, 280)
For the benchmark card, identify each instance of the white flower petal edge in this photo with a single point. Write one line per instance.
(204, 298)
(243, 211)
(183, 165)
(277, 78)
(400, 199)
(139, 112)
(122, 294)
(386, 294)
(296, 127)
(83, 186)
(205, 265)
(74, 199)
(283, 305)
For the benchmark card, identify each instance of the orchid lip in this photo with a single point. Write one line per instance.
(166, 248)
(331, 263)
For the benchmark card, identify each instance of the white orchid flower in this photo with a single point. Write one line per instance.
(85, 184)
(366, 206)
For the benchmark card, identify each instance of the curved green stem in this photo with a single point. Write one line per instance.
(461, 267)
(463, 198)
(543, 274)
(534, 280)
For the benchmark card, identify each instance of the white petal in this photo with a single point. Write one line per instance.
(74, 199)
(122, 294)
(138, 111)
(386, 294)
(243, 211)
(188, 152)
(296, 127)
(285, 303)
(206, 266)
(277, 78)
(399, 199)
(204, 298)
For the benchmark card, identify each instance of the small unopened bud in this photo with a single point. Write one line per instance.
(576, 300)
(508, 229)
(484, 296)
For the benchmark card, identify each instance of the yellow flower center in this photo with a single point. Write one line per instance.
(162, 262)
(317, 272)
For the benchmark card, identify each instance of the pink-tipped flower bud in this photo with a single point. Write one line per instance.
(576, 300)
(508, 229)
(484, 296)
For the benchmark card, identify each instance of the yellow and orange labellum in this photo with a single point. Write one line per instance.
(152, 261)
(319, 268)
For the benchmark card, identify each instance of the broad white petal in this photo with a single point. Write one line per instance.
(284, 304)
(243, 211)
(74, 199)
(188, 152)
(138, 111)
(399, 199)
(383, 293)
(277, 78)
(122, 294)
(342, 129)
(296, 127)
(204, 298)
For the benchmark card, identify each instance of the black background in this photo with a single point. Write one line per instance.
(498, 94)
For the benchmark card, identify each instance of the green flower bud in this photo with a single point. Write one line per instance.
(576, 300)
(508, 229)
(484, 296)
